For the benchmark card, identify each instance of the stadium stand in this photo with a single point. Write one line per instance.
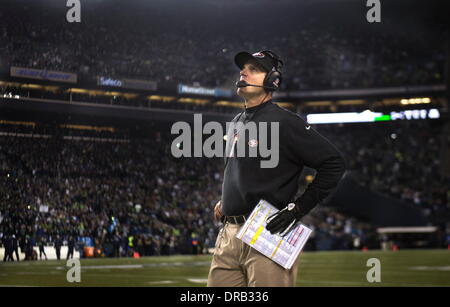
(319, 54)
(121, 192)
(112, 188)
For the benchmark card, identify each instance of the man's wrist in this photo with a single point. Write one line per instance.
(298, 210)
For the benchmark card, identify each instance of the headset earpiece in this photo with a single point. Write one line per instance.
(273, 80)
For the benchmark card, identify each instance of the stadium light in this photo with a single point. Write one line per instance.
(367, 116)
(405, 101)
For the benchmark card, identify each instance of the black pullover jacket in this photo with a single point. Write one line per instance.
(245, 182)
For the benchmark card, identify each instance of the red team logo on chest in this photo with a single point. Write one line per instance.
(253, 143)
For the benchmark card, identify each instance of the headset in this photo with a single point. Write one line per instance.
(273, 78)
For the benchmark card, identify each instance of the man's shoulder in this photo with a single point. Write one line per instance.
(285, 114)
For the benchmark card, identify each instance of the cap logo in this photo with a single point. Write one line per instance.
(258, 55)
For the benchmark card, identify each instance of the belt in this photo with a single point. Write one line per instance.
(237, 219)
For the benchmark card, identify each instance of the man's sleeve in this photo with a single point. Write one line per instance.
(311, 149)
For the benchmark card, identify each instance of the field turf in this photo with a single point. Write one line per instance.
(420, 268)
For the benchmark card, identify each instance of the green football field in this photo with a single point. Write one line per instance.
(420, 268)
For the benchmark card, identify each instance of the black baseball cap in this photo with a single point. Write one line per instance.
(266, 59)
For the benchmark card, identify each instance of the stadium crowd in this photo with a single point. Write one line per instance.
(128, 194)
(318, 54)
(114, 193)
(381, 158)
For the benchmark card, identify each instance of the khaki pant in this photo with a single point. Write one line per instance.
(235, 264)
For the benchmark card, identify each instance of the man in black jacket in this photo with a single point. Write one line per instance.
(42, 248)
(15, 247)
(8, 244)
(58, 244)
(70, 247)
(246, 180)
